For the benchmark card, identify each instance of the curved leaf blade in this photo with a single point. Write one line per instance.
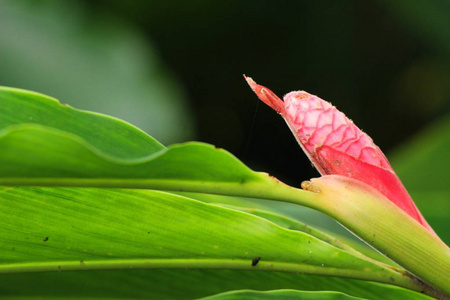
(49, 229)
(37, 155)
(113, 136)
(58, 153)
(281, 295)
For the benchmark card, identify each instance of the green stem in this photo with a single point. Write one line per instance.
(380, 223)
(267, 188)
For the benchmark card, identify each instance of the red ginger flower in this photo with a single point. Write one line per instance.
(336, 146)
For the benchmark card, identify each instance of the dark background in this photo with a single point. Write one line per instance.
(380, 63)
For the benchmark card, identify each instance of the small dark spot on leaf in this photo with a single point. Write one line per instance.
(82, 262)
(255, 261)
(148, 232)
(392, 279)
(242, 180)
(46, 239)
(13, 248)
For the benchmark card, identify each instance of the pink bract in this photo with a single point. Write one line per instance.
(336, 146)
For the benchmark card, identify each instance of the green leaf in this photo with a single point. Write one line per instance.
(268, 210)
(88, 145)
(66, 229)
(25, 148)
(114, 137)
(130, 228)
(335, 240)
(181, 284)
(281, 294)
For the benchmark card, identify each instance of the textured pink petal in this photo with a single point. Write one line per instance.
(336, 146)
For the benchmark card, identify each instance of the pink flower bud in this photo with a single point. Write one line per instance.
(336, 146)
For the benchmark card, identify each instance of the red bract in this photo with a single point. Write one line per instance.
(336, 146)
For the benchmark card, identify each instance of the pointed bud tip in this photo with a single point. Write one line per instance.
(251, 82)
(266, 95)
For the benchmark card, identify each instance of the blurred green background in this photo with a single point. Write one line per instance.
(174, 69)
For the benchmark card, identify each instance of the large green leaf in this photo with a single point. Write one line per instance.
(181, 284)
(63, 229)
(79, 229)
